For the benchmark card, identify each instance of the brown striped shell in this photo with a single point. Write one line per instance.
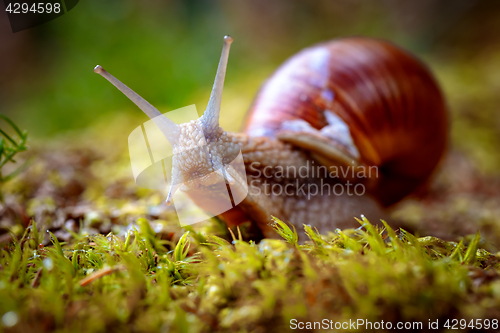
(394, 108)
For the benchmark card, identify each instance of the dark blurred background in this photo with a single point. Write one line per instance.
(168, 51)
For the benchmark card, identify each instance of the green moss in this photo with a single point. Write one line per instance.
(203, 282)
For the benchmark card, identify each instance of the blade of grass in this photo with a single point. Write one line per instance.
(182, 247)
(471, 253)
(284, 231)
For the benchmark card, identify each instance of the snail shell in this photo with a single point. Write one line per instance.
(392, 105)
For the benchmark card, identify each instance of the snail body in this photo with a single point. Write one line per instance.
(350, 104)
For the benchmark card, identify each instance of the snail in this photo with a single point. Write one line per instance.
(352, 104)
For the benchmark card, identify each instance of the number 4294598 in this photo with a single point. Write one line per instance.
(37, 8)
(455, 324)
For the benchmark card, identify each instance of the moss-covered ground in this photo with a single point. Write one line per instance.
(203, 282)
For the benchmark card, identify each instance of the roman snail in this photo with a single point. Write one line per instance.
(350, 104)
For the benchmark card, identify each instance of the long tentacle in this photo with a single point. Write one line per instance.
(168, 127)
(210, 118)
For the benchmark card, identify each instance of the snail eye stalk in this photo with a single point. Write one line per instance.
(169, 128)
(210, 118)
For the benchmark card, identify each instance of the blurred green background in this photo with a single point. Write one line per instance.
(167, 51)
